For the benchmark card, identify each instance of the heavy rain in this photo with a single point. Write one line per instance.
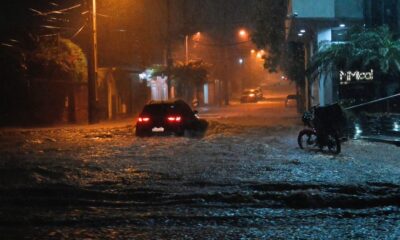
(188, 119)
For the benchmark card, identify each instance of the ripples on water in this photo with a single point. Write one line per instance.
(112, 185)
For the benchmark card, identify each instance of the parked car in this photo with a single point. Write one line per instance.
(250, 95)
(291, 100)
(166, 117)
(259, 93)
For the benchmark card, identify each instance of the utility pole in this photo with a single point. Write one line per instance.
(186, 29)
(186, 49)
(92, 64)
(225, 83)
(169, 57)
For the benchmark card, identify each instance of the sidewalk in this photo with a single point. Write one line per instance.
(383, 138)
(384, 128)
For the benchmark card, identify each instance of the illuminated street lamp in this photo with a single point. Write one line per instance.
(195, 36)
(243, 33)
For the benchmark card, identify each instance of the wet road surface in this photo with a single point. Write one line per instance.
(244, 179)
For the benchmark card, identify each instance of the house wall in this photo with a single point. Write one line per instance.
(81, 103)
(159, 88)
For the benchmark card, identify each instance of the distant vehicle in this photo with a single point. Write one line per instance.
(251, 95)
(260, 93)
(166, 117)
(291, 100)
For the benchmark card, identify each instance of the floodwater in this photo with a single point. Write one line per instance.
(245, 179)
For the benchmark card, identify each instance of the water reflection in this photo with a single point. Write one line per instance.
(357, 131)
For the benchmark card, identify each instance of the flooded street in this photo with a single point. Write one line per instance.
(245, 179)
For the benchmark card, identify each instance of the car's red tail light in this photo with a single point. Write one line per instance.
(174, 119)
(144, 119)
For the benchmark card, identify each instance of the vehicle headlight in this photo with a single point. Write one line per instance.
(252, 95)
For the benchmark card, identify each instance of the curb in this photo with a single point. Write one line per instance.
(384, 139)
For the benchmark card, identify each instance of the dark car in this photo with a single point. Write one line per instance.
(259, 93)
(165, 117)
(249, 95)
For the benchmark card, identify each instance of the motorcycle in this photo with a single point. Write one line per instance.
(323, 128)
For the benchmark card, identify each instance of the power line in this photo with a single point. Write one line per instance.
(59, 11)
(79, 30)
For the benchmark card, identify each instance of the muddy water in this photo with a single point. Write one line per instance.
(234, 183)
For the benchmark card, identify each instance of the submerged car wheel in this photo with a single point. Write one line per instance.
(307, 139)
(180, 133)
(141, 133)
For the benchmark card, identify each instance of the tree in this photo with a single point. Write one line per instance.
(43, 77)
(188, 78)
(270, 31)
(270, 34)
(58, 59)
(366, 49)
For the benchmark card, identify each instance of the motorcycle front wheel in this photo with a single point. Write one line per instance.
(334, 144)
(307, 139)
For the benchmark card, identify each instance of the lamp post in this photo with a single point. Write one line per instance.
(92, 65)
(187, 49)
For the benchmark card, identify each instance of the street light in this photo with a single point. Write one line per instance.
(242, 33)
(197, 36)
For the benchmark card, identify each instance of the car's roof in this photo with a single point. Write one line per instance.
(166, 102)
(251, 90)
(164, 107)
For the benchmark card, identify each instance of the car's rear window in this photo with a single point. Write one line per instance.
(159, 109)
(163, 109)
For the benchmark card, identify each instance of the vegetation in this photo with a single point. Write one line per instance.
(366, 49)
(270, 31)
(187, 78)
(282, 55)
(57, 60)
(41, 79)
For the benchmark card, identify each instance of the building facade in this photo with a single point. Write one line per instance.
(316, 24)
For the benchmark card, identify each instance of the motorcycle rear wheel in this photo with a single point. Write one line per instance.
(307, 139)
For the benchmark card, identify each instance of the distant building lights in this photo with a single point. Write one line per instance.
(396, 127)
(357, 131)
